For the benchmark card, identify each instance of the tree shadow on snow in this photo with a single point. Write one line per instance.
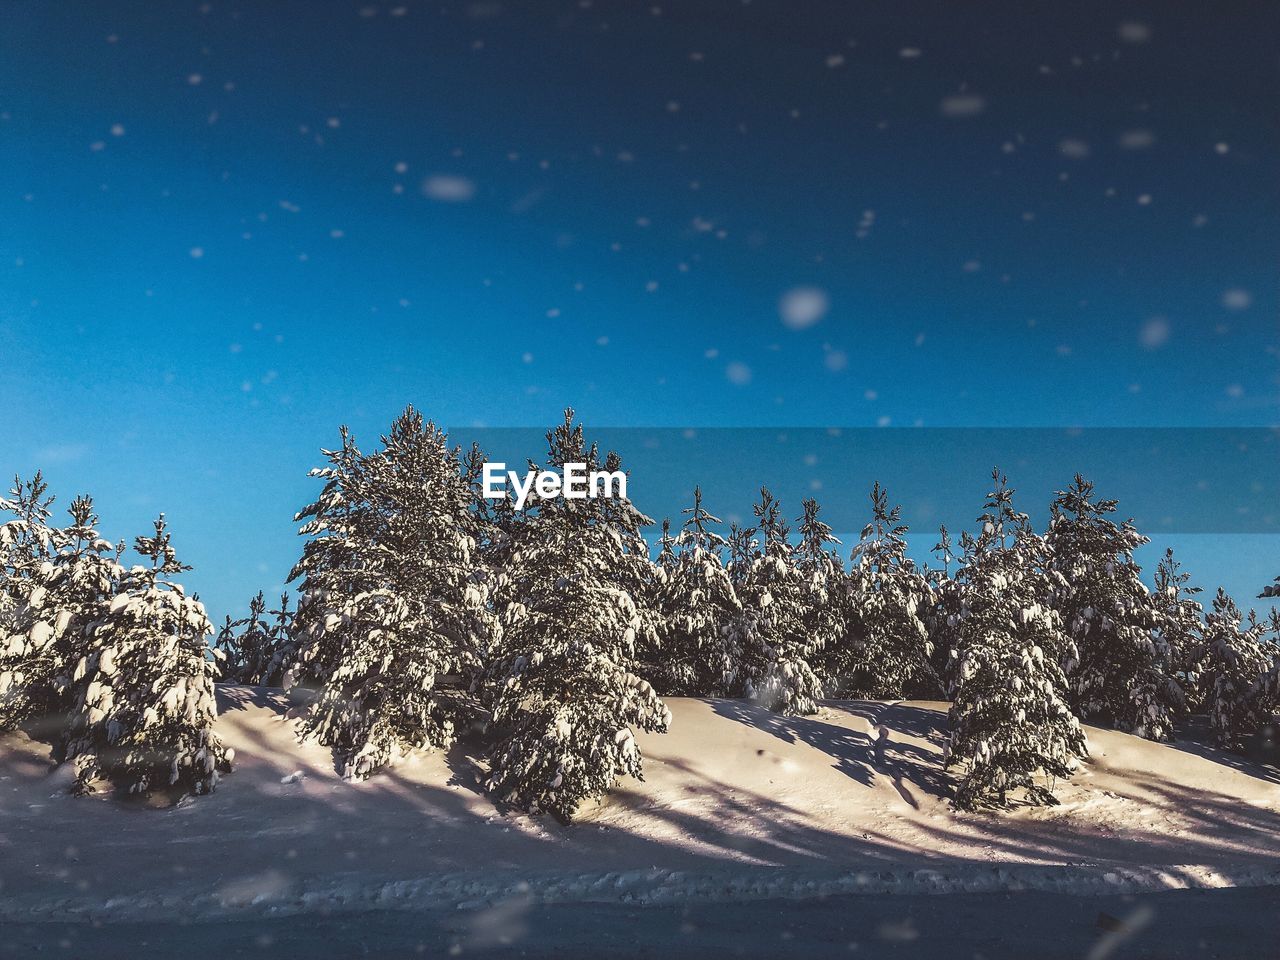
(283, 823)
(1193, 736)
(906, 764)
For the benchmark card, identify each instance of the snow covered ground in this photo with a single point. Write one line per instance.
(739, 806)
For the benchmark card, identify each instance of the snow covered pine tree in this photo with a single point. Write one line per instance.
(564, 693)
(1009, 717)
(106, 662)
(29, 654)
(772, 637)
(1235, 661)
(824, 588)
(1270, 684)
(884, 649)
(942, 613)
(694, 657)
(142, 695)
(392, 598)
(1179, 627)
(1124, 674)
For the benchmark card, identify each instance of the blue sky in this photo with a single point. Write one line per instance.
(225, 229)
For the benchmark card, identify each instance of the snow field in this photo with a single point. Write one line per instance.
(737, 804)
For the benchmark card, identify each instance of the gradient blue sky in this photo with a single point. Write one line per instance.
(227, 228)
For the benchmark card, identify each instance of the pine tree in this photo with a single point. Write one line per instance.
(1124, 671)
(565, 698)
(634, 573)
(1179, 627)
(824, 588)
(254, 649)
(392, 596)
(279, 644)
(28, 659)
(143, 700)
(64, 578)
(1235, 662)
(771, 639)
(744, 549)
(942, 611)
(884, 652)
(1269, 686)
(666, 547)
(694, 656)
(1010, 722)
(239, 642)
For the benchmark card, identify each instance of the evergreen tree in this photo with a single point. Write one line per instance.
(666, 547)
(744, 550)
(1235, 661)
(824, 589)
(1179, 627)
(142, 695)
(634, 573)
(1124, 671)
(884, 651)
(254, 649)
(1269, 686)
(392, 597)
(565, 698)
(279, 644)
(652, 660)
(63, 579)
(239, 643)
(26, 540)
(771, 638)
(1010, 722)
(242, 647)
(694, 656)
(28, 658)
(942, 611)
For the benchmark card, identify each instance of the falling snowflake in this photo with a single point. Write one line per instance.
(961, 105)
(448, 189)
(802, 307)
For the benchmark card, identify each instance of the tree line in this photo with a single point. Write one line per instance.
(553, 631)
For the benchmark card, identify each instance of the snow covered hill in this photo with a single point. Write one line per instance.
(737, 804)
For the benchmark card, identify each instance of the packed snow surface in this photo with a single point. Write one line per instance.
(737, 804)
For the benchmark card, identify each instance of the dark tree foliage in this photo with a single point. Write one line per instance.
(256, 649)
